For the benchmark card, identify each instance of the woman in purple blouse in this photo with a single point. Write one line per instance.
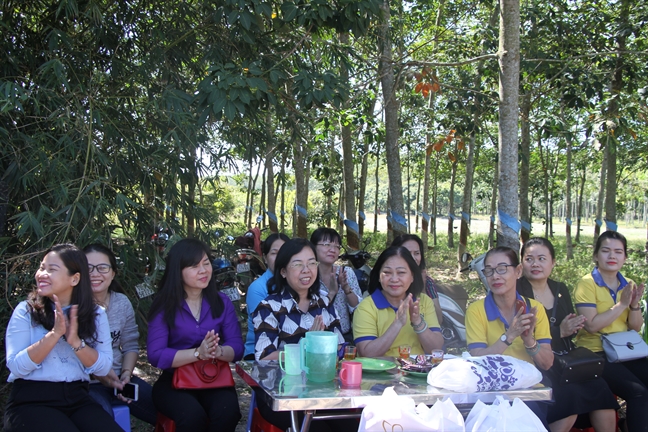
(190, 321)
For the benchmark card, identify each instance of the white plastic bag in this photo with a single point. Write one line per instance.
(484, 373)
(393, 413)
(442, 417)
(503, 417)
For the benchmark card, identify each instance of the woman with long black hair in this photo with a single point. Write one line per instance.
(55, 339)
(190, 321)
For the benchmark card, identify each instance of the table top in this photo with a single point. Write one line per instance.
(294, 393)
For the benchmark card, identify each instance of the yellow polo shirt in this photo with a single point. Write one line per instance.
(591, 291)
(485, 325)
(375, 314)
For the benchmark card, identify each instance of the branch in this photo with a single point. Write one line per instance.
(460, 63)
(594, 54)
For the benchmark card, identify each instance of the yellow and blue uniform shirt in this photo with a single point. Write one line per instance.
(485, 325)
(375, 314)
(591, 291)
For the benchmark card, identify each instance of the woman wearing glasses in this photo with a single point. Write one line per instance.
(499, 325)
(108, 293)
(294, 305)
(396, 313)
(339, 283)
(591, 397)
(293, 308)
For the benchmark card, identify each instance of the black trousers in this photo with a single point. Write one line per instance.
(629, 381)
(197, 410)
(55, 406)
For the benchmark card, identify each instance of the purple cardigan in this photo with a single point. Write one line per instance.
(164, 342)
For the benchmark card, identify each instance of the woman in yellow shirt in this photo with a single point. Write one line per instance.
(610, 304)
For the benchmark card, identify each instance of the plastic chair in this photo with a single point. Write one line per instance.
(121, 413)
(259, 424)
(164, 424)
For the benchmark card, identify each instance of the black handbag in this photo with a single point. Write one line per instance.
(574, 365)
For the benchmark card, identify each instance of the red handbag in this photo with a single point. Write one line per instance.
(203, 374)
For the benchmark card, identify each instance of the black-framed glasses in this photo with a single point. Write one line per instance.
(101, 268)
(500, 269)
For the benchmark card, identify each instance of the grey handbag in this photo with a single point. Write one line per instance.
(624, 346)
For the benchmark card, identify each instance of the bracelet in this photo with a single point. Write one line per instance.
(532, 351)
(638, 308)
(130, 372)
(80, 347)
(532, 347)
(421, 327)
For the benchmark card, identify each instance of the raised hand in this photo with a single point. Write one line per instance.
(571, 324)
(60, 320)
(414, 311)
(637, 294)
(318, 324)
(404, 310)
(627, 294)
(521, 323)
(72, 327)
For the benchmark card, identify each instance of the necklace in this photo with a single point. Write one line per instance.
(197, 315)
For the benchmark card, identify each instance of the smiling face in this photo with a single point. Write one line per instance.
(198, 275)
(415, 250)
(301, 271)
(395, 278)
(53, 278)
(537, 262)
(610, 256)
(504, 283)
(100, 282)
(328, 251)
(271, 256)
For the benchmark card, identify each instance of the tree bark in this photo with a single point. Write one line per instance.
(493, 209)
(453, 177)
(271, 198)
(581, 192)
(391, 104)
(301, 191)
(601, 196)
(525, 141)
(352, 231)
(466, 205)
(509, 81)
(375, 230)
(568, 198)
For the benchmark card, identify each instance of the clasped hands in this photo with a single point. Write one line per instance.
(408, 306)
(208, 347)
(523, 325)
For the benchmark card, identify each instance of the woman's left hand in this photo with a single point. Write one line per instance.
(637, 294)
(415, 313)
(72, 328)
(532, 317)
(342, 280)
(318, 324)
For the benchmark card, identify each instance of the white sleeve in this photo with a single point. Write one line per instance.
(17, 340)
(103, 365)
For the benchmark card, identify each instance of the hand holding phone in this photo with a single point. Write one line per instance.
(521, 304)
(129, 392)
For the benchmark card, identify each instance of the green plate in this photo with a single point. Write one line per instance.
(375, 365)
(414, 373)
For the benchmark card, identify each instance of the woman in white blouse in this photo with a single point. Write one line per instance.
(340, 284)
(55, 340)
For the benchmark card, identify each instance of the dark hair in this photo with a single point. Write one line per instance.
(277, 283)
(401, 239)
(267, 243)
(115, 286)
(374, 278)
(325, 234)
(42, 308)
(510, 253)
(538, 241)
(185, 253)
(611, 235)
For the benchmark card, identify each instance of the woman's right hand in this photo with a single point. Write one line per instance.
(571, 324)
(521, 322)
(207, 348)
(403, 310)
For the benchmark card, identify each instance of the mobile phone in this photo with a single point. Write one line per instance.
(521, 304)
(130, 391)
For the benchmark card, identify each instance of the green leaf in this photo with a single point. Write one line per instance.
(257, 83)
(230, 110)
(289, 11)
(246, 19)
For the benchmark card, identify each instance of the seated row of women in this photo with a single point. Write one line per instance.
(190, 321)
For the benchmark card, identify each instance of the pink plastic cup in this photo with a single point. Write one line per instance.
(351, 374)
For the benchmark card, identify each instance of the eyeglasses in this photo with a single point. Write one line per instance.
(101, 268)
(300, 266)
(330, 245)
(500, 269)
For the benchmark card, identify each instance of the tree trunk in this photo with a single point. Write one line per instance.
(601, 196)
(568, 198)
(375, 230)
(256, 177)
(509, 81)
(493, 209)
(282, 226)
(466, 205)
(426, 192)
(435, 192)
(581, 192)
(271, 198)
(525, 141)
(390, 103)
(300, 211)
(352, 233)
(363, 187)
(453, 177)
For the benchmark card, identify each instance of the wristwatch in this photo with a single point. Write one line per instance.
(197, 354)
(503, 339)
(80, 347)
